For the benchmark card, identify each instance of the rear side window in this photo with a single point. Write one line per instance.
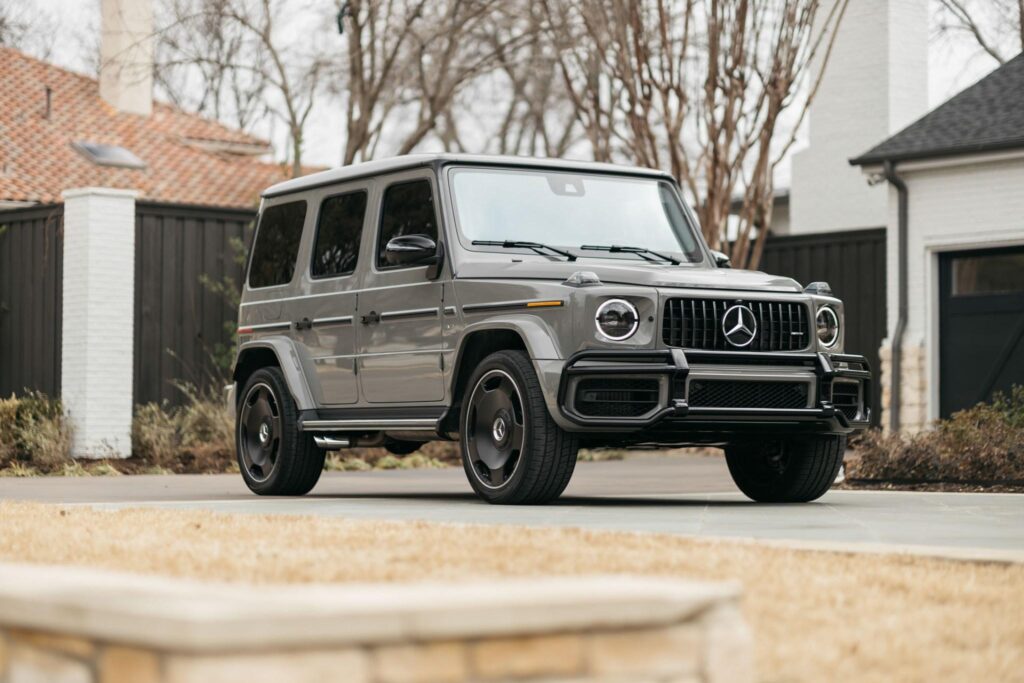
(407, 209)
(277, 244)
(338, 232)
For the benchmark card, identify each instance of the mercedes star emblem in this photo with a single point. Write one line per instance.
(739, 325)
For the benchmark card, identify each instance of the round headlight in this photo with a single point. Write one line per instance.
(617, 319)
(828, 326)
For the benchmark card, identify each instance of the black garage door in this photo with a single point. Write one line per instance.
(981, 325)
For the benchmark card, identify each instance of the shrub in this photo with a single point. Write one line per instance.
(34, 433)
(980, 444)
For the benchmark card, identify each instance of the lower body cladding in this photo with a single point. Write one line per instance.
(673, 397)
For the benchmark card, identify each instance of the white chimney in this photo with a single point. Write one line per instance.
(126, 55)
(876, 82)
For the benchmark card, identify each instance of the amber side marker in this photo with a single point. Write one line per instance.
(244, 330)
(543, 304)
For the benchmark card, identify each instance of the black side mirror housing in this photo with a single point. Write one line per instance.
(722, 259)
(415, 250)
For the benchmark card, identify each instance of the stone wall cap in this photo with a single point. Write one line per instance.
(100, 191)
(191, 616)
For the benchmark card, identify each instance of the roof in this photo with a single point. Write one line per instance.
(399, 163)
(986, 117)
(188, 159)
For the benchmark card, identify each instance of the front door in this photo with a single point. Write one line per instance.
(399, 320)
(981, 326)
(325, 319)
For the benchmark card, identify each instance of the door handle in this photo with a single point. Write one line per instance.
(304, 324)
(371, 318)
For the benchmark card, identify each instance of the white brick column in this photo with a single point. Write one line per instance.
(98, 319)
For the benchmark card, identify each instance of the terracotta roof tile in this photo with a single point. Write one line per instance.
(38, 162)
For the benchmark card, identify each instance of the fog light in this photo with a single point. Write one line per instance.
(828, 326)
(617, 319)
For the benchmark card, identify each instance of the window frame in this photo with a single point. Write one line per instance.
(316, 233)
(256, 237)
(430, 180)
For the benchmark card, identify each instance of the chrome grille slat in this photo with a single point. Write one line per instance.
(696, 323)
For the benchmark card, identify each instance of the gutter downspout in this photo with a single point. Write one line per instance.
(896, 344)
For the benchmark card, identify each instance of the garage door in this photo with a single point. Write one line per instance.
(981, 325)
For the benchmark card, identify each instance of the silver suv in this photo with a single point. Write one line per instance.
(527, 308)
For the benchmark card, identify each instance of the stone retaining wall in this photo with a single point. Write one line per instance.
(84, 626)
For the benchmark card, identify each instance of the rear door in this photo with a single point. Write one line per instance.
(981, 325)
(399, 324)
(324, 317)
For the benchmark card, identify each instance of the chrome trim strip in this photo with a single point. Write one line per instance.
(265, 326)
(337, 320)
(410, 313)
(450, 310)
(323, 294)
(524, 303)
(356, 424)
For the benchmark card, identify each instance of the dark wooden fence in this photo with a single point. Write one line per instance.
(854, 264)
(180, 324)
(31, 268)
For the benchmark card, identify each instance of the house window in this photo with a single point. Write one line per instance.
(338, 233)
(408, 209)
(277, 244)
(992, 273)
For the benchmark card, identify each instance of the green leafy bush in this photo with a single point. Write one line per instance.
(981, 444)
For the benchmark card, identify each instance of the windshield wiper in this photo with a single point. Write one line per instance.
(642, 252)
(519, 244)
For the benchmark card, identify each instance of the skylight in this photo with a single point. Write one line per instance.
(108, 155)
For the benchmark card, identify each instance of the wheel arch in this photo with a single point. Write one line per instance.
(279, 353)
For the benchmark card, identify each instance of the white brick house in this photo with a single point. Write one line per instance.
(962, 167)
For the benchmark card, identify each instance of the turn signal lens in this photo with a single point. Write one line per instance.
(828, 326)
(617, 319)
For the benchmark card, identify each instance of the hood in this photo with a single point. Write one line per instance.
(628, 273)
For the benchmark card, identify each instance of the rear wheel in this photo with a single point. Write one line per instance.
(787, 471)
(512, 451)
(276, 459)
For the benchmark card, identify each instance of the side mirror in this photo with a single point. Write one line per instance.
(722, 260)
(407, 250)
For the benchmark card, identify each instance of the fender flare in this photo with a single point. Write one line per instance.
(291, 364)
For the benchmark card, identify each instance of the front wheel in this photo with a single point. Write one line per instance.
(512, 451)
(787, 471)
(276, 458)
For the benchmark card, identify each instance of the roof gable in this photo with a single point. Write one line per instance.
(988, 116)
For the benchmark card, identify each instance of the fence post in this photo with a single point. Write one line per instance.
(98, 319)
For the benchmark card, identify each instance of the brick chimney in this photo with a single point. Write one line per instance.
(126, 55)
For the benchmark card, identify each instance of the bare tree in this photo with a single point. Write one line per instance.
(233, 60)
(699, 88)
(27, 28)
(996, 26)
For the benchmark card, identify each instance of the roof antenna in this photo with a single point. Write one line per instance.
(49, 103)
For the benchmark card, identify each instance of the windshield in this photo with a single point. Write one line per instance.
(572, 210)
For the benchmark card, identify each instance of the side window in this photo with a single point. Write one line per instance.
(277, 244)
(338, 232)
(407, 209)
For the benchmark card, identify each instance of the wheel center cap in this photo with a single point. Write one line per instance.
(499, 430)
(264, 434)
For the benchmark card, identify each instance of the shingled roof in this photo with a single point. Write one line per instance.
(986, 117)
(188, 159)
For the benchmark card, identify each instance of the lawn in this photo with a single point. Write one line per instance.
(817, 616)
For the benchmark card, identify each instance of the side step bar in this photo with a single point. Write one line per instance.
(356, 425)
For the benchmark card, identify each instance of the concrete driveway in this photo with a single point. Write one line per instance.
(691, 496)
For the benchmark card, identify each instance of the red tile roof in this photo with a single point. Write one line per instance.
(38, 162)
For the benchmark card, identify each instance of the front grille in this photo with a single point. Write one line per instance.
(600, 397)
(742, 394)
(697, 324)
(846, 398)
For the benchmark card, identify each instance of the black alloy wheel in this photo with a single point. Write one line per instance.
(496, 428)
(259, 432)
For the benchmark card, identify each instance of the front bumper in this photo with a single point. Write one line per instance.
(673, 392)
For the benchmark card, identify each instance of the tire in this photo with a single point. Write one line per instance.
(512, 451)
(788, 471)
(279, 460)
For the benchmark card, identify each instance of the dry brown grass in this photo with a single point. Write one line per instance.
(817, 616)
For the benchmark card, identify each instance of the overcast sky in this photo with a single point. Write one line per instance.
(952, 67)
